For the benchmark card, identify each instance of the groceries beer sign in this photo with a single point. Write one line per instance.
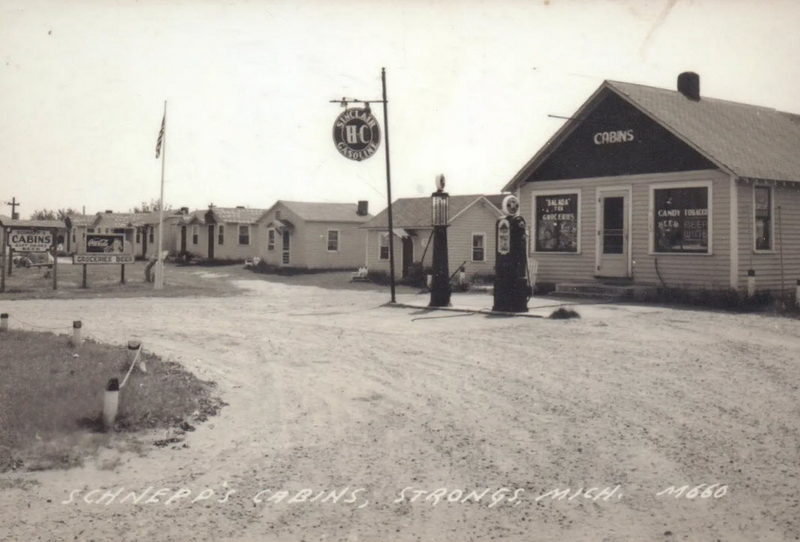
(110, 248)
(30, 240)
(356, 134)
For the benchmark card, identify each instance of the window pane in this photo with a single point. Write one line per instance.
(557, 223)
(681, 219)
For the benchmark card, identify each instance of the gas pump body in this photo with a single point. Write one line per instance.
(512, 288)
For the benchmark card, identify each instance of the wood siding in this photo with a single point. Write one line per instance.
(677, 270)
(767, 264)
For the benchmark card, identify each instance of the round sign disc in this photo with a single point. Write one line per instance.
(510, 205)
(356, 134)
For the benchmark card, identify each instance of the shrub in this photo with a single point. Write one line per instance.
(563, 314)
(378, 277)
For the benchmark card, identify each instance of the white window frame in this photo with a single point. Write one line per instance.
(651, 234)
(195, 234)
(239, 235)
(381, 236)
(328, 240)
(270, 239)
(472, 246)
(534, 222)
(771, 249)
(220, 234)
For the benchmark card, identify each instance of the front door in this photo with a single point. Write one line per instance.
(612, 234)
(408, 254)
(211, 241)
(183, 239)
(285, 249)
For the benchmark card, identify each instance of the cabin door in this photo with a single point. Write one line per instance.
(183, 239)
(211, 241)
(285, 248)
(613, 239)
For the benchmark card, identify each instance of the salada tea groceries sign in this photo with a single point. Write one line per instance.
(557, 223)
(356, 134)
(105, 248)
(30, 240)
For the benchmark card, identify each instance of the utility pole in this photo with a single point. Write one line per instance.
(13, 204)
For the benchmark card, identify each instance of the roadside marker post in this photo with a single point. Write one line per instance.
(110, 403)
(134, 348)
(751, 282)
(76, 333)
(4, 321)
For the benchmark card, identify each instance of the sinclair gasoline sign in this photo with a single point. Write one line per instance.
(30, 240)
(105, 248)
(356, 134)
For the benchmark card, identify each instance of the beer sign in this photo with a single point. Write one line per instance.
(105, 248)
(30, 240)
(356, 134)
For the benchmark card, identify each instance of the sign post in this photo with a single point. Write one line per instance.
(356, 134)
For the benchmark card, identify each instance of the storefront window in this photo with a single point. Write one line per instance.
(681, 219)
(763, 213)
(557, 222)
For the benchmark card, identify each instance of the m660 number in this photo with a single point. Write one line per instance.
(702, 491)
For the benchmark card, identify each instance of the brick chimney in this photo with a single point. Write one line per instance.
(363, 208)
(689, 85)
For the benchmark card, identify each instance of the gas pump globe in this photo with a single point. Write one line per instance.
(440, 282)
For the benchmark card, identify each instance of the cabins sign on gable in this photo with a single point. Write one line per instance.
(615, 138)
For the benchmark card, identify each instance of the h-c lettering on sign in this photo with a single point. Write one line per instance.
(355, 134)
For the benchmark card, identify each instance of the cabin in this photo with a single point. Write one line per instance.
(666, 188)
(470, 234)
(222, 233)
(313, 235)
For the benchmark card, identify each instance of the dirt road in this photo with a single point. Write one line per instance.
(330, 392)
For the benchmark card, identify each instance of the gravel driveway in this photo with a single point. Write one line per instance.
(348, 420)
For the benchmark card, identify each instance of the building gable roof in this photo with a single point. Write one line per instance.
(744, 140)
(415, 213)
(318, 211)
(237, 215)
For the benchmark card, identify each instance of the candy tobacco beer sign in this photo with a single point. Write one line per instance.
(356, 134)
(30, 240)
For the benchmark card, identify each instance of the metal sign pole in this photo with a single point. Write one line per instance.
(388, 183)
(55, 259)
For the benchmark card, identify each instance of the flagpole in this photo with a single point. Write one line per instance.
(159, 280)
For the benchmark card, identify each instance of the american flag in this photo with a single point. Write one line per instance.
(161, 135)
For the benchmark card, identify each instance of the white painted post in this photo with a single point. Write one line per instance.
(751, 282)
(76, 333)
(4, 321)
(110, 403)
(428, 280)
(462, 277)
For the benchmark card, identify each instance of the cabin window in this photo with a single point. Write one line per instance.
(152, 235)
(383, 246)
(89, 230)
(244, 234)
(138, 236)
(333, 240)
(220, 234)
(557, 222)
(762, 200)
(681, 219)
(478, 247)
(271, 239)
(195, 234)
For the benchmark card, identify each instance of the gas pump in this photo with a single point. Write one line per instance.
(512, 287)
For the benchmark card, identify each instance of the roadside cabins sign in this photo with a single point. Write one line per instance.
(105, 248)
(356, 134)
(30, 240)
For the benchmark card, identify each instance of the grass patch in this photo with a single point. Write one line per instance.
(564, 314)
(51, 397)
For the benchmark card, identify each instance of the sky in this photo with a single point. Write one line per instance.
(248, 85)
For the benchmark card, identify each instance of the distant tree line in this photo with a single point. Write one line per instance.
(50, 214)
